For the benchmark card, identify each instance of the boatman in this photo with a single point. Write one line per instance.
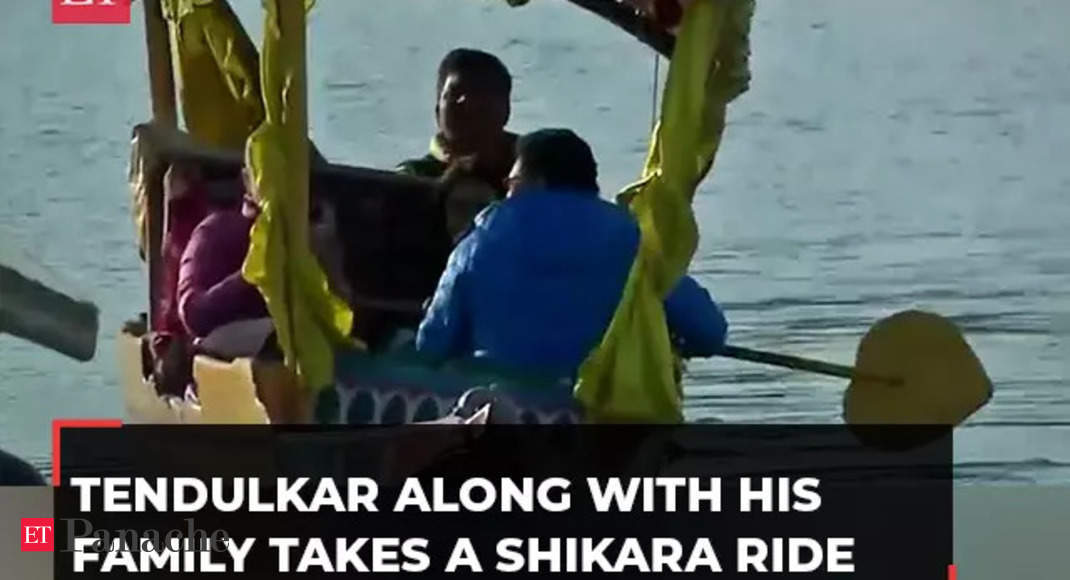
(472, 152)
(471, 110)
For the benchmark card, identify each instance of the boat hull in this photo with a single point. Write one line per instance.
(369, 390)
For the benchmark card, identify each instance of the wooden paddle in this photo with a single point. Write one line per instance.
(31, 310)
(911, 368)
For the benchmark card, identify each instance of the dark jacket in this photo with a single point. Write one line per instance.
(438, 158)
(535, 284)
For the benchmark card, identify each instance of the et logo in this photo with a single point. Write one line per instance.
(91, 11)
(36, 535)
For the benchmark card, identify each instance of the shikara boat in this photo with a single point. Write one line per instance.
(390, 261)
(912, 367)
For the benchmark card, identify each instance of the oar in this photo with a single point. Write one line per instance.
(911, 368)
(801, 364)
(38, 313)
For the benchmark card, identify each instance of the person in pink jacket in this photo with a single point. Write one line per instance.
(224, 313)
(211, 290)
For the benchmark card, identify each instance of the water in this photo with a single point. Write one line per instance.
(889, 156)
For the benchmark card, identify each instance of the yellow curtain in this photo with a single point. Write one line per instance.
(629, 375)
(309, 320)
(216, 71)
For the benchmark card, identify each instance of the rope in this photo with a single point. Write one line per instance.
(654, 92)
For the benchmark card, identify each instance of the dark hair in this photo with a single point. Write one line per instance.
(484, 65)
(208, 169)
(560, 157)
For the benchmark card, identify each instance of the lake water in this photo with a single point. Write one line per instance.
(890, 155)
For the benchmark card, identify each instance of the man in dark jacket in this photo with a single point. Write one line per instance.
(472, 152)
(535, 284)
(471, 110)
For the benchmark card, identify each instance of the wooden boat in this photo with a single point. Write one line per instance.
(391, 261)
(912, 367)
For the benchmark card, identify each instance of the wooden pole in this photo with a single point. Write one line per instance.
(802, 364)
(161, 78)
(628, 19)
(164, 113)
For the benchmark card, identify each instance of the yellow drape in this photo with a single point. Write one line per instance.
(629, 375)
(216, 72)
(309, 319)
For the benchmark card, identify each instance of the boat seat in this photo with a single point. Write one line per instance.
(392, 235)
(391, 231)
(394, 242)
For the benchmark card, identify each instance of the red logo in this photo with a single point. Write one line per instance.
(91, 11)
(36, 535)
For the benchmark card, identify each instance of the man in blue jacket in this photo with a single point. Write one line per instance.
(534, 285)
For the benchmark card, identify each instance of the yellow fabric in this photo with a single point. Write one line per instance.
(629, 376)
(216, 71)
(309, 320)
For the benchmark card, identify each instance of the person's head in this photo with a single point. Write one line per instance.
(553, 159)
(472, 104)
(215, 184)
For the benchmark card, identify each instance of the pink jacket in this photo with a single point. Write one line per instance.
(211, 290)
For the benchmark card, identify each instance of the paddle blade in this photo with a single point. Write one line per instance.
(942, 380)
(36, 312)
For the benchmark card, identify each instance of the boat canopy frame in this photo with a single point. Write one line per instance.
(150, 211)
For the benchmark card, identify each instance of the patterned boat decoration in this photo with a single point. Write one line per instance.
(397, 388)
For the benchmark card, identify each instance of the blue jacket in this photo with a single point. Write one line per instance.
(696, 323)
(534, 285)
